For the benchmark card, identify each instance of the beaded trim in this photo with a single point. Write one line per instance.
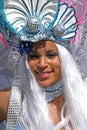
(53, 91)
(14, 106)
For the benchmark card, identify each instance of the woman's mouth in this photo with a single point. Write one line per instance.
(44, 75)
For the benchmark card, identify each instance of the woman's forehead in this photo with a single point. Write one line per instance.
(44, 44)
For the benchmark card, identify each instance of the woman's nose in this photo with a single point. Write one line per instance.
(42, 62)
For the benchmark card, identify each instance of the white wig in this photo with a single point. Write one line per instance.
(35, 109)
(75, 90)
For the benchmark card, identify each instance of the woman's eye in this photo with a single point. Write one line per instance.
(52, 54)
(33, 56)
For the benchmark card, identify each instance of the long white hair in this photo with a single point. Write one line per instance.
(35, 109)
(75, 90)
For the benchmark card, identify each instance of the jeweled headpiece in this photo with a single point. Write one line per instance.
(25, 21)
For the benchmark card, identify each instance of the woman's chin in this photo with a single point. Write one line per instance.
(45, 83)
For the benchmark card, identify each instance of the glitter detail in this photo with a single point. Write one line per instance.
(33, 24)
(53, 91)
(14, 105)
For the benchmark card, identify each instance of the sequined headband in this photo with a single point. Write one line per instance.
(34, 20)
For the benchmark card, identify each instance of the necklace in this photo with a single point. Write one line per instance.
(53, 91)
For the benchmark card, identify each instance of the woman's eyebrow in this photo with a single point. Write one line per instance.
(51, 50)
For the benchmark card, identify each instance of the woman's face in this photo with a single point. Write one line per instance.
(45, 63)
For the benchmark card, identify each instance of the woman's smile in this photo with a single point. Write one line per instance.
(45, 63)
(44, 75)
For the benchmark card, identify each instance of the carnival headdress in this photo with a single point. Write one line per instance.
(26, 21)
(33, 20)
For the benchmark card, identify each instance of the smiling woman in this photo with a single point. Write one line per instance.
(47, 91)
(45, 63)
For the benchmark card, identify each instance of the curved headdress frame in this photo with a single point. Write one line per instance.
(31, 21)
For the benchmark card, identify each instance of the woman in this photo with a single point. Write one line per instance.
(47, 90)
(45, 65)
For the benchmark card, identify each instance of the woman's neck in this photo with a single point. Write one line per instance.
(55, 107)
(53, 91)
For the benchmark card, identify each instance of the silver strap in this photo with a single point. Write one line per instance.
(14, 105)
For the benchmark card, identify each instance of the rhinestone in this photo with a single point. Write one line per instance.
(33, 24)
(58, 30)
